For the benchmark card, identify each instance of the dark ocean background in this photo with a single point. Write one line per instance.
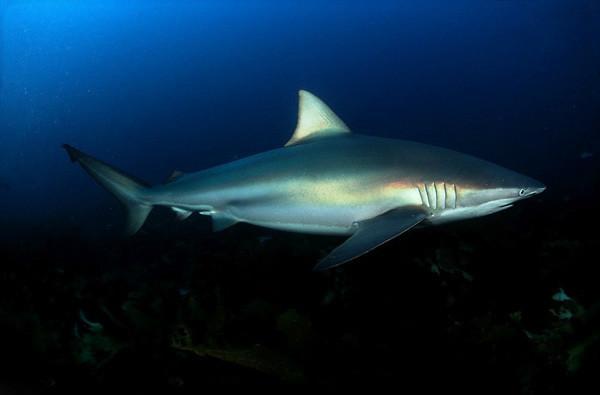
(154, 86)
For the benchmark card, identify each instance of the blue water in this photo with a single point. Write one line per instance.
(153, 86)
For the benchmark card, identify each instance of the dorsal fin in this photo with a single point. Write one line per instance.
(314, 118)
(175, 175)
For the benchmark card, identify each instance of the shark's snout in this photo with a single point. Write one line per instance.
(540, 189)
(530, 187)
(536, 187)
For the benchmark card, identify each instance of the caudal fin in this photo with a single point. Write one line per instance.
(128, 190)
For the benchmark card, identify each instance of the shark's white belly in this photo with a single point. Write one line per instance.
(336, 220)
(306, 228)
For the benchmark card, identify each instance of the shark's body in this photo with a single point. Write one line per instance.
(329, 181)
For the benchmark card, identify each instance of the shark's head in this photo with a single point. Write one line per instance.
(484, 189)
(483, 201)
(501, 189)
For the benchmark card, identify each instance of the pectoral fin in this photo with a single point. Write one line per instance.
(373, 233)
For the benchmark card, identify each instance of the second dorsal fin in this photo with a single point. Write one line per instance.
(175, 175)
(315, 118)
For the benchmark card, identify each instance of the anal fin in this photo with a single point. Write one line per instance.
(222, 221)
(174, 176)
(181, 213)
(373, 233)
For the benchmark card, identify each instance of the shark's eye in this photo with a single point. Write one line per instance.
(521, 192)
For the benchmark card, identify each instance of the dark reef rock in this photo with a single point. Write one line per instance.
(510, 300)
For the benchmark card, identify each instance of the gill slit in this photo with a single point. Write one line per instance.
(438, 195)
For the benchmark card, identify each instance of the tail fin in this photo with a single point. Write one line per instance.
(127, 189)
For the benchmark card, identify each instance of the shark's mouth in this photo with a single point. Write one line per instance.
(496, 209)
(493, 207)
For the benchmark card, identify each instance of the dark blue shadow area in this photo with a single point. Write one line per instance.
(155, 86)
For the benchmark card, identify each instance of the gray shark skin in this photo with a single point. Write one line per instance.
(327, 180)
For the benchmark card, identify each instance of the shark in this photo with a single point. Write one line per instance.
(327, 180)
